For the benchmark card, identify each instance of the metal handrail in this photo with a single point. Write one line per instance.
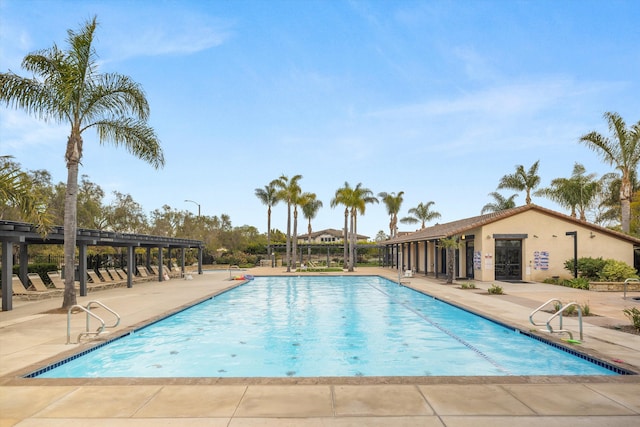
(625, 286)
(87, 309)
(88, 306)
(540, 308)
(559, 313)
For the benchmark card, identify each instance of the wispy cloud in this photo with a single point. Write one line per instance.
(170, 35)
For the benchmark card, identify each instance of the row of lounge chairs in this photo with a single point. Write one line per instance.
(105, 278)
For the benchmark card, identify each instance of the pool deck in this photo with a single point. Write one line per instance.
(32, 336)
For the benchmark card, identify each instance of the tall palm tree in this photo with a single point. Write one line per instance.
(393, 203)
(500, 203)
(268, 197)
(310, 206)
(522, 180)
(576, 193)
(622, 151)
(72, 91)
(421, 213)
(360, 198)
(344, 196)
(288, 190)
(608, 199)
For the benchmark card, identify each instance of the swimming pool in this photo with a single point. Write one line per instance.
(329, 326)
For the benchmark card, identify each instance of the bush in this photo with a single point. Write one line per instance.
(634, 315)
(578, 283)
(468, 286)
(495, 290)
(588, 268)
(616, 271)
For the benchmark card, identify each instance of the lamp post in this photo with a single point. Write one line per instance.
(575, 251)
(198, 204)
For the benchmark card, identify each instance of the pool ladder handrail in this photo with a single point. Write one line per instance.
(87, 310)
(626, 282)
(559, 315)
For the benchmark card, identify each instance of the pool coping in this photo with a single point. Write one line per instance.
(17, 377)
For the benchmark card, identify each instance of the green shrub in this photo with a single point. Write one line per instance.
(634, 315)
(617, 271)
(586, 310)
(589, 268)
(578, 283)
(495, 290)
(468, 286)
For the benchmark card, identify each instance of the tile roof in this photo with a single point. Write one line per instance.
(453, 228)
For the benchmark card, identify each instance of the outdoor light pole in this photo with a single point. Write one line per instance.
(196, 204)
(575, 251)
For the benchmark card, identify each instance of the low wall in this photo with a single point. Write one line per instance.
(613, 286)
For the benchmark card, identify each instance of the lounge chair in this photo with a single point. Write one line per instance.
(108, 278)
(20, 291)
(38, 285)
(58, 282)
(316, 266)
(97, 282)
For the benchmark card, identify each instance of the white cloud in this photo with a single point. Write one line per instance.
(172, 35)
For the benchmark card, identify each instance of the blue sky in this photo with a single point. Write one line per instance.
(438, 99)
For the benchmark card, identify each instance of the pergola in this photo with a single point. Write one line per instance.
(23, 234)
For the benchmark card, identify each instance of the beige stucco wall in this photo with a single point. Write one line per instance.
(546, 233)
(544, 250)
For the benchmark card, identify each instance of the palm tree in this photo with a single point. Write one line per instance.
(576, 193)
(393, 203)
(608, 199)
(500, 203)
(288, 191)
(310, 206)
(521, 180)
(71, 91)
(343, 196)
(622, 151)
(360, 198)
(421, 213)
(268, 197)
(450, 244)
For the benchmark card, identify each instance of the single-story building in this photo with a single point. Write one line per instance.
(526, 243)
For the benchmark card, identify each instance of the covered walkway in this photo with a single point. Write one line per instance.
(22, 235)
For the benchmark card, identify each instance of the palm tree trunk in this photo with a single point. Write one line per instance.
(351, 240)
(625, 204)
(269, 232)
(288, 237)
(294, 239)
(345, 262)
(70, 232)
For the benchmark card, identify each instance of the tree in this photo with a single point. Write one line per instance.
(343, 196)
(17, 190)
(268, 197)
(621, 151)
(71, 91)
(360, 198)
(310, 206)
(288, 191)
(521, 180)
(576, 193)
(422, 214)
(393, 203)
(450, 244)
(500, 203)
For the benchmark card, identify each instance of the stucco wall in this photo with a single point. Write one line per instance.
(546, 238)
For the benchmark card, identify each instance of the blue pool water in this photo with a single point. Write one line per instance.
(323, 326)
